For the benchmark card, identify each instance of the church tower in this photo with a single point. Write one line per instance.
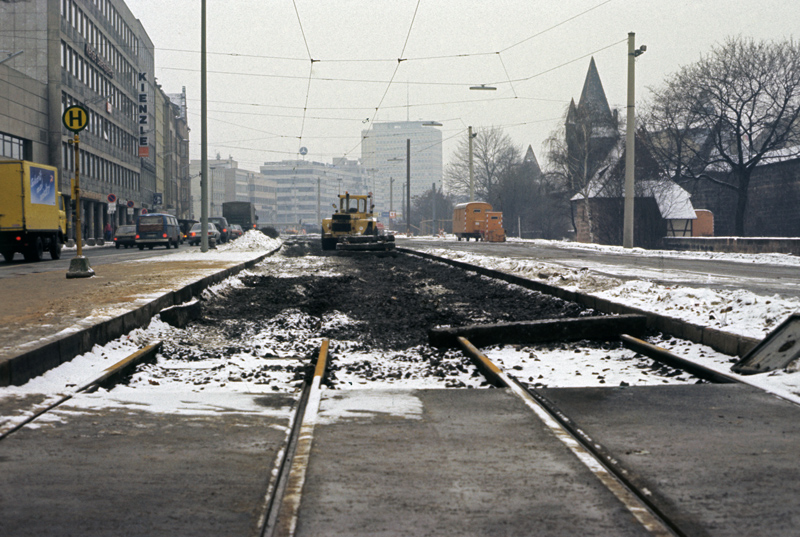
(591, 127)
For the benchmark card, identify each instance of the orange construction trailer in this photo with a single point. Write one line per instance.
(476, 220)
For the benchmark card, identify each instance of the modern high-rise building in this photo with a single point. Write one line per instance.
(228, 182)
(306, 190)
(93, 53)
(384, 150)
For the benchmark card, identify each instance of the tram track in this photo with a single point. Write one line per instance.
(279, 352)
(627, 487)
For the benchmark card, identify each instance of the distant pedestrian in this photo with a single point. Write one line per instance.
(108, 231)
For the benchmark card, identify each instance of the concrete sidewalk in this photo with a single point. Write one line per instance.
(47, 319)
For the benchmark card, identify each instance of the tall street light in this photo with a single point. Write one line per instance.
(630, 141)
(471, 169)
(203, 133)
(408, 187)
(482, 87)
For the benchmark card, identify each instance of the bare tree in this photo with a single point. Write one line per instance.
(577, 151)
(423, 211)
(721, 117)
(533, 202)
(493, 154)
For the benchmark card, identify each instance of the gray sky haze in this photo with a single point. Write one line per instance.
(267, 98)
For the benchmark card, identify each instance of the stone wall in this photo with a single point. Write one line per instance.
(745, 245)
(773, 208)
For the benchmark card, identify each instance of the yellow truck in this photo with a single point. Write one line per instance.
(32, 217)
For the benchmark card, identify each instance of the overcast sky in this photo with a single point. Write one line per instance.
(266, 100)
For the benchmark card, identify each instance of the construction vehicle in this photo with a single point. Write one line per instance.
(476, 220)
(32, 216)
(353, 227)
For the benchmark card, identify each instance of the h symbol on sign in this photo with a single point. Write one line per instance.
(75, 116)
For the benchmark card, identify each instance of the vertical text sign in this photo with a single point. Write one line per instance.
(144, 147)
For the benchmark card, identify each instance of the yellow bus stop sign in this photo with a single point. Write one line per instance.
(75, 118)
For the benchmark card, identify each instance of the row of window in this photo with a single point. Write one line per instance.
(94, 78)
(12, 147)
(100, 169)
(105, 129)
(75, 16)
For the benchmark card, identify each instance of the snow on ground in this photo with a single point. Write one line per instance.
(770, 259)
(214, 376)
(738, 312)
(248, 246)
(581, 365)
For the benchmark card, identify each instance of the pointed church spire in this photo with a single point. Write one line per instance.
(531, 162)
(572, 112)
(593, 97)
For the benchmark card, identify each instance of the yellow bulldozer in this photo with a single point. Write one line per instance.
(353, 227)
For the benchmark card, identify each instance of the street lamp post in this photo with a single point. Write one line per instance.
(203, 133)
(630, 142)
(471, 170)
(408, 186)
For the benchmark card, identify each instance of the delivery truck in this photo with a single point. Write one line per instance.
(32, 216)
(240, 212)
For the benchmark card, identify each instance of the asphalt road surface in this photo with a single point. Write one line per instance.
(759, 278)
(97, 255)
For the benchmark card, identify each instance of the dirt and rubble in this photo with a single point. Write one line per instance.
(394, 300)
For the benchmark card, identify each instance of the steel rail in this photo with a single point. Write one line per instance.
(284, 506)
(117, 370)
(612, 476)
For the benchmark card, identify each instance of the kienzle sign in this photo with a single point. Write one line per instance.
(144, 147)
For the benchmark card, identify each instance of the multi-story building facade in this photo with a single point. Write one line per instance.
(384, 151)
(172, 154)
(94, 53)
(228, 182)
(306, 190)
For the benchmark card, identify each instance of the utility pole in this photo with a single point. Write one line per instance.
(408, 186)
(471, 171)
(203, 133)
(630, 142)
(433, 201)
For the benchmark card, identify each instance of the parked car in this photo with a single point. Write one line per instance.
(222, 225)
(236, 231)
(157, 229)
(185, 224)
(195, 234)
(125, 236)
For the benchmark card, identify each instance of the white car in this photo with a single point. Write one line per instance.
(195, 234)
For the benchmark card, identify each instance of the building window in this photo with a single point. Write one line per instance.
(13, 147)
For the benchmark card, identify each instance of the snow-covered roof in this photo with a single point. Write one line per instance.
(674, 203)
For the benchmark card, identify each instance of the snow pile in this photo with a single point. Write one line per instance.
(738, 311)
(252, 240)
(247, 247)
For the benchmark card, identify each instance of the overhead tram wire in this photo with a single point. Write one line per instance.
(387, 60)
(389, 82)
(565, 21)
(310, 75)
(394, 73)
(417, 105)
(500, 57)
(338, 60)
